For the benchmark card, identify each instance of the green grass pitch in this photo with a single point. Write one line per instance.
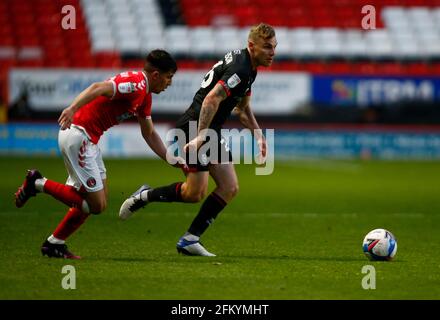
(295, 234)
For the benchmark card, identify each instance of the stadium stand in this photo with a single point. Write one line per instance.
(333, 71)
(31, 36)
(316, 36)
(327, 33)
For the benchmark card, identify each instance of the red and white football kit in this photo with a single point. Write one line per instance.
(79, 144)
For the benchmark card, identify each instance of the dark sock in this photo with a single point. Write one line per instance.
(209, 210)
(169, 193)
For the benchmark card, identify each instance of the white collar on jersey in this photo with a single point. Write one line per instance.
(146, 82)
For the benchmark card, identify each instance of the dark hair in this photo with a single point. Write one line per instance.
(160, 60)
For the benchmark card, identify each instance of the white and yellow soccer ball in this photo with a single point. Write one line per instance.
(380, 244)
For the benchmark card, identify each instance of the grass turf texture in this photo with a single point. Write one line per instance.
(295, 234)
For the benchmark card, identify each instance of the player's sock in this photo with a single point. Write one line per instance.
(209, 210)
(54, 240)
(66, 194)
(70, 223)
(171, 193)
(190, 237)
(39, 184)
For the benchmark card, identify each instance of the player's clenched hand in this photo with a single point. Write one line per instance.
(179, 162)
(66, 118)
(193, 145)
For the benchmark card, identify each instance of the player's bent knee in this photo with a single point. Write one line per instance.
(230, 191)
(97, 202)
(233, 190)
(98, 208)
(194, 197)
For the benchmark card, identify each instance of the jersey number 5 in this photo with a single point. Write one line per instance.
(210, 75)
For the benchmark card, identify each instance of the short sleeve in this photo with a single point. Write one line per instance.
(234, 82)
(127, 85)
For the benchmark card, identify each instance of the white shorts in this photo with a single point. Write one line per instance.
(83, 160)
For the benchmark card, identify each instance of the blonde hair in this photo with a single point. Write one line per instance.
(262, 30)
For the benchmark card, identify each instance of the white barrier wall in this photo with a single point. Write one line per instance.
(276, 93)
(51, 89)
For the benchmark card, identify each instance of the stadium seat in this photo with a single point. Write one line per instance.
(177, 40)
(418, 68)
(226, 39)
(406, 45)
(328, 41)
(379, 43)
(7, 58)
(315, 29)
(303, 42)
(202, 41)
(284, 47)
(340, 68)
(108, 59)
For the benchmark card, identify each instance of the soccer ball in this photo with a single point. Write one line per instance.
(380, 244)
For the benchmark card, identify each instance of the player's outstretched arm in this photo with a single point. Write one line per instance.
(209, 108)
(151, 137)
(245, 114)
(156, 144)
(248, 120)
(92, 92)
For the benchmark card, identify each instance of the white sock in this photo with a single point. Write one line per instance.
(54, 240)
(39, 184)
(190, 237)
(144, 195)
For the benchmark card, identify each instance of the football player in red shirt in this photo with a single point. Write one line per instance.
(96, 109)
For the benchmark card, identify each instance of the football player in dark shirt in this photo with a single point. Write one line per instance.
(226, 87)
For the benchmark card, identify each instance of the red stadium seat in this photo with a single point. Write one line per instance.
(82, 62)
(36, 23)
(392, 68)
(108, 60)
(419, 68)
(366, 68)
(434, 69)
(132, 64)
(6, 63)
(292, 13)
(287, 66)
(187, 64)
(339, 68)
(315, 67)
(56, 63)
(30, 63)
